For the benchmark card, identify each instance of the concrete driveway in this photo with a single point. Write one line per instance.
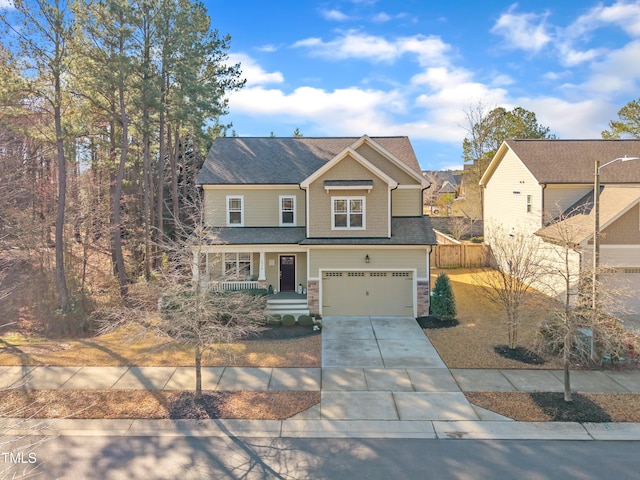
(376, 342)
(385, 368)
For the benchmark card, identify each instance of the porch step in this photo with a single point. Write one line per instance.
(295, 313)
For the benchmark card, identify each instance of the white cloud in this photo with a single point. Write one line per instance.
(354, 44)
(6, 5)
(252, 72)
(623, 15)
(269, 48)
(617, 73)
(334, 15)
(526, 31)
(567, 119)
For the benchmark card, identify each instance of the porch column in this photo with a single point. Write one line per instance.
(262, 276)
(195, 268)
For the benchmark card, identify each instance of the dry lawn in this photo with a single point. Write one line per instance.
(482, 327)
(142, 404)
(132, 346)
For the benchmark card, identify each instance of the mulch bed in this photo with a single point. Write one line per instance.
(143, 404)
(520, 354)
(431, 322)
(278, 332)
(551, 407)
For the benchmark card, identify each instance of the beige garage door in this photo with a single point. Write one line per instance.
(367, 293)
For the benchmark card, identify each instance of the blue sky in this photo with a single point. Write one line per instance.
(349, 67)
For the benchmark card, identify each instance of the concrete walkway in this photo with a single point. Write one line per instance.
(380, 377)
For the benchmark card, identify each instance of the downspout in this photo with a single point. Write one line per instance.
(391, 208)
(544, 186)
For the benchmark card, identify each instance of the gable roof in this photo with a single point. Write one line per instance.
(577, 222)
(284, 160)
(349, 152)
(571, 161)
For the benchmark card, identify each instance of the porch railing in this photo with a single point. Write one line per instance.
(234, 285)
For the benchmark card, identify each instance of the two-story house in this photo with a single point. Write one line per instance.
(545, 188)
(338, 220)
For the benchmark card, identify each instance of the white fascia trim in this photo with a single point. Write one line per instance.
(228, 248)
(251, 186)
(385, 153)
(401, 269)
(341, 156)
(367, 188)
(410, 187)
(369, 247)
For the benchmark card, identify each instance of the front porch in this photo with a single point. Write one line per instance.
(231, 268)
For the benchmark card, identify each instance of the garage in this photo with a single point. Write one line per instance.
(626, 279)
(381, 293)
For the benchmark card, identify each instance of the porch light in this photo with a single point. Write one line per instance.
(367, 259)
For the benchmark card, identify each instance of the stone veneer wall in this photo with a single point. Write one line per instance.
(313, 296)
(423, 298)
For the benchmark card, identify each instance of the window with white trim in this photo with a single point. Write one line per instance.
(235, 211)
(237, 266)
(529, 203)
(347, 213)
(287, 210)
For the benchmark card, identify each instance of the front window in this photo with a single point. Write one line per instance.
(235, 211)
(529, 203)
(348, 213)
(287, 210)
(237, 266)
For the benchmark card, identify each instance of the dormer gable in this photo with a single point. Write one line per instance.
(349, 152)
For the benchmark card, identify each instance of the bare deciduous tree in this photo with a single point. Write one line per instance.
(517, 271)
(189, 312)
(566, 328)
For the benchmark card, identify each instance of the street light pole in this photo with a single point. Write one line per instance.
(596, 227)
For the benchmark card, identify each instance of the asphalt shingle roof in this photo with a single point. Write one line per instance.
(576, 224)
(256, 235)
(404, 231)
(572, 161)
(284, 160)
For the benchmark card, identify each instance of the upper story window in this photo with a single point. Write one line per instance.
(529, 203)
(347, 213)
(235, 210)
(287, 210)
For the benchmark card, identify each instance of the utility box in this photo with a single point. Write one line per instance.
(584, 341)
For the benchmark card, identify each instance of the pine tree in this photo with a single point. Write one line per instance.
(443, 303)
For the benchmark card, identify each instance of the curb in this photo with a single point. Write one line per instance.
(442, 430)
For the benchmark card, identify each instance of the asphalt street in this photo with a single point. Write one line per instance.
(149, 458)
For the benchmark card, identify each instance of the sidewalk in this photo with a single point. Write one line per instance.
(380, 377)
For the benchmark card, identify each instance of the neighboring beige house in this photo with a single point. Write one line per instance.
(531, 184)
(336, 219)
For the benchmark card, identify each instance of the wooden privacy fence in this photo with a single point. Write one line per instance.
(460, 255)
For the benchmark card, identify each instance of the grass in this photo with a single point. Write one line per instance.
(481, 327)
(144, 404)
(133, 346)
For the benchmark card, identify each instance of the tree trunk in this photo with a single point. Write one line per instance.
(146, 161)
(61, 281)
(568, 396)
(198, 355)
(117, 195)
(174, 182)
